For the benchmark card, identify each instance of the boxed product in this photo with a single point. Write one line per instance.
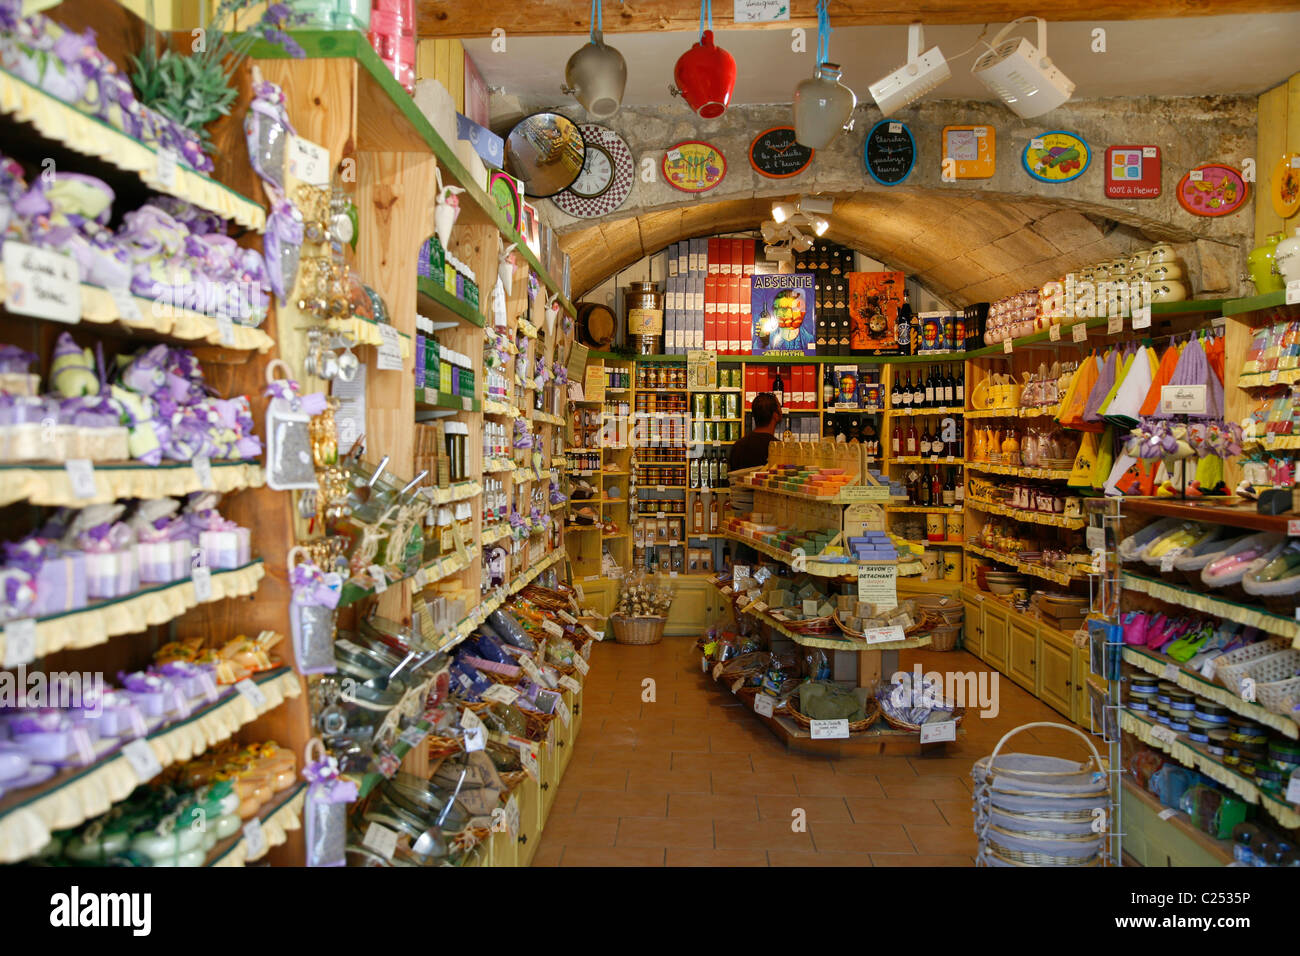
(784, 314)
(874, 301)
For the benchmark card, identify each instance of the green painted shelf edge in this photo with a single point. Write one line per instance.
(427, 398)
(1266, 300)
(448, 302)
(351, 45)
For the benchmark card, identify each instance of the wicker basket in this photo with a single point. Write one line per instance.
(638, 630)
(900, 724)
(944, 637)
(1234, 665)
(1275, 680)
(872, 710)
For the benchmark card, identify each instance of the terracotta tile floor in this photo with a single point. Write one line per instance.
(692, 779)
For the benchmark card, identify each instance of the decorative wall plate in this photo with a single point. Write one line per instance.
(1056, 157)
(1212, 189)
(1286, 185)
(889, 152)
(508, 195)
(693, 166)
(776, 154)
(969, 152)
(606, 178)
(1132, 172)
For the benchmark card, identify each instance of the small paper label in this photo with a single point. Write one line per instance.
(381, 839)
(1293, 292)
(810, 608)
(581, 664)
(1054, 333)
(829, 729)
(389, 358)
(1196, 175)
(938, 731)
(1115, 325)
(1142, 317)
(1149, 152)
(225, 330)
(1080, 332)
(1293, 787)
(895, 127)
(413, 736)
(164, 170)
(20, 642)
(1171, 673)
(1008, 346)
(1210, 668)
(377, 575)
(512, 805)
(127, 308)
(254, 839)
(202, 581)
(569, 684)
(1167, 813)
(308, 161)
(1182, 399)
(81, 474)
(562, 709)
(1164, 734)
(566, 617)
(142, 759)
(1095, 538)
(475, 739)
(598, 635)
(501, 694)
(203, 472)
(531, 669)
(764, 705)
(883, 635)
(1036, 143)
(252, 693)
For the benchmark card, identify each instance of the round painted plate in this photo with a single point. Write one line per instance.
(776, 154)
(1212, 190)
(694, 167)
(505, 192)
(606, 178)
(889, 152)
(1286, 185)
(1056, 157)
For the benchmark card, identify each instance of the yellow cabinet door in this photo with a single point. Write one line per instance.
(1080, 709)
(994, 636)
(690, 613)
(1056, 673)
(973, 624)
(1022, 654)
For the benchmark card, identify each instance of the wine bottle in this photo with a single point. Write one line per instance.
(949, 390)
(911, 439)
(778, 388)
(949, 489)
(925, 489)
(925, 442)
(897, 440)
(936, 488)
(959, 388)
(896, 393)
(828, 387)
(918, 392)
(904, 322)
(929, 388)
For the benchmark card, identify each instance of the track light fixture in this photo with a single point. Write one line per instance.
(1021, 73)
(918, 76)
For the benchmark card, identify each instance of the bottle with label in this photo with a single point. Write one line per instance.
(959, 388)
(695, 472)
(897, 441)
(722, 468)
(923, 490)
(904, 323)
(950, 489)
(905, 398)
(778, 388)
(911, 440)
(914, 488)
(949, 389)
(713, 513)
(918, 392)
(936, 488)
(896, 393)
(828, 387)
(925, 442)
(929, 389)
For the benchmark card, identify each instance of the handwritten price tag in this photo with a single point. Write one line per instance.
(144, 762)
(81, 474)
(252, 693)
(938, 731)
(501, 694)
(764, 705)
(1054, 333)
(20, 642)
(581, 664)
(201, 578)
(254, 839)
(381, 839)
(550, 627)
(829, 729)
(1079, 332)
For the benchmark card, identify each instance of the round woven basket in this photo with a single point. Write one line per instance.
(638, 630)
(856, 727)
(899, 724)
(944, 637)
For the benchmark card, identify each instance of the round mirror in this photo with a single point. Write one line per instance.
(546, 151)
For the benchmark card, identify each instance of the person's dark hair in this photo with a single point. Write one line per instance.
(765, 408)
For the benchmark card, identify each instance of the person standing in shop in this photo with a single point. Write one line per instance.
(750, 451)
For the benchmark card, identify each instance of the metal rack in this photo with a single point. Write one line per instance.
(1104, 627)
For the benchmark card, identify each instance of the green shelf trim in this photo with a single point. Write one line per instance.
(447, 302)
(1189, 307)
(428, 398)
(132, 466)
(1266, 300)
(351, 45)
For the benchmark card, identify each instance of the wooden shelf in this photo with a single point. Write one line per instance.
(431, 398)
(1030, 517)
(1252, 616)
(1255, 303)
(1218, 511)
(1036, 570)
(434, 301)
(48, 485)
(1177, 820)
(927, 411)
(1047, 474)
(1014, 412)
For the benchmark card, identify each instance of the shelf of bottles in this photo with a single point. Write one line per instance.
(659, 426)
(852, 401)
(925, 454)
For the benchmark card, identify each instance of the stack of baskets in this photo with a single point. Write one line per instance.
(1272, 665)
(1033, 810)
(942, 616)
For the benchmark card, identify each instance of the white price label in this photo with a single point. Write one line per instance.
(512, 811)
(1008, 346)
(201, 578)
(566, 617)
(1293, 787)
(1196, 175)
(1115, 325)
(308, 161)
(225, 330)
(1167, 561)
(381, 839)
(1142, 317)
(581, 664)
(1079, 333)
(550, 627)
(1210, 668)
(1149, 152)
(203, 472)
(252, 693)
(562, 709)
(20, 642)
(883, 635)
(501, 694)
(254, 839)
(674, 155)
(81, 474)
(1095, 538)
(569, 684)
(475, 739)
(389, 358)
(938, 731)
(764, 704)
(1293, 292)
(164, 170)
(531, 669)
(1037, 143)
(895, 127)
(1170, 673)
(1054, 333)
(1167, 813)
(413, 736)
(1164, 734)
(379, 577)
(829, 729)
(144, 762)
(597, 635)
(1182, 399)
(127, 308)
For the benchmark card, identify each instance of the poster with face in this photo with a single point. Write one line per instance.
(874, 298)
(784, 314)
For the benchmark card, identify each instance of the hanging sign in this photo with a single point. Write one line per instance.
(889, 152)
(1132, 172)
(1212, 190)
(969, 152)
(776, 154)
(760, 11)
(693, 166)
(1056, 157)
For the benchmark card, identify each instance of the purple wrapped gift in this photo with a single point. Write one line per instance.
(115, 714)
(58, 577)
(112, 569)
(163, 551)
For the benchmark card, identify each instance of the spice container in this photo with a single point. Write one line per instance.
(645, 319)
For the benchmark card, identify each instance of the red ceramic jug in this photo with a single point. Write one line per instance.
(705, 76)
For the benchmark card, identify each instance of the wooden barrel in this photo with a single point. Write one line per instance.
(595, 325)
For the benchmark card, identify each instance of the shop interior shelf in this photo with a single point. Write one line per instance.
(1220, 511)
(1250, 615)
(49, 485)
(223, 850)
(433, 301)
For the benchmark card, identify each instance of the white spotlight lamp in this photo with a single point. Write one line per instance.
(1021, 73)
(918, 76)
(782, 211)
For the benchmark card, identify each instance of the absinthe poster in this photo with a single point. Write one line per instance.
(784, 314)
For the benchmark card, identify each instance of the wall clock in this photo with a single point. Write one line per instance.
(694, 167)
(1212, 189)
(1286, 185)
(1056, 157)
(606, 178)
(969, 152)
(889, 152)
(774, 153)
(506, 193)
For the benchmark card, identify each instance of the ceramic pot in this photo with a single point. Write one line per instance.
(1287, 257)
(1161, 271)
(823, 107)
(1161, 252)
(1169, 290)
(596, 76)
(1262, 264)
(705, 75)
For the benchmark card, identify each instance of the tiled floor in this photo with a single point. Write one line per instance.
(690, 778)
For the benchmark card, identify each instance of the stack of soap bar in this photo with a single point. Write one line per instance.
(873, 546)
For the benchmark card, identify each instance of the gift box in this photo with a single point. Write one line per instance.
(164, 561)
(225, 549)
(61, 584)
(112, 565)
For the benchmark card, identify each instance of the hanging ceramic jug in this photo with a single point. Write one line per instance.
(823, 107)
(446, 210)
(506, 268)
(1287, 257)
(704, 76)
(1262, 264)
(596, 76)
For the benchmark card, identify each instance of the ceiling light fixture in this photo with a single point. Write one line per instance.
(705, 75)
(823, 106)
(782, 211)
(911, 81)
(596, 75)
(1021, 73)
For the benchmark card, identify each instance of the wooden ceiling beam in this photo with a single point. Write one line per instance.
(456, 18)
